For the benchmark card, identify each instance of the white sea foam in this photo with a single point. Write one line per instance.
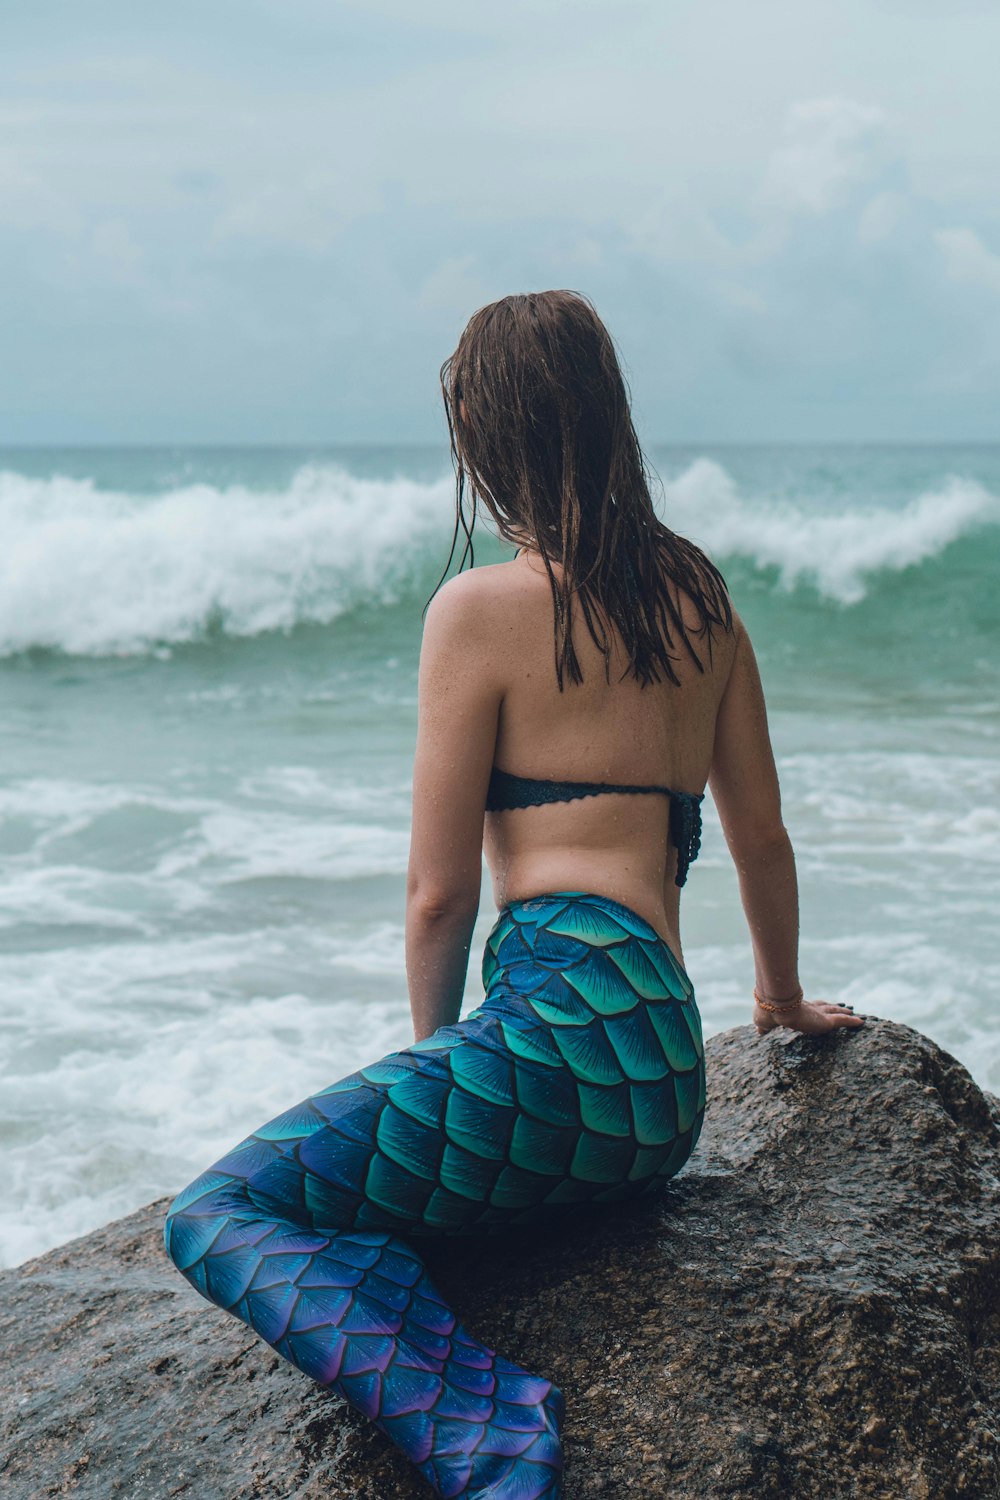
(253, 845)
(136, 1107)
(128, 1067)
(306, 787)
(95, 572)
(200, 848)
(838, 554)
(100, 572)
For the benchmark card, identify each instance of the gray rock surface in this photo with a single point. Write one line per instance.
(811, 1309)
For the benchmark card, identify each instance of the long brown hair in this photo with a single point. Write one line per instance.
(540, 427)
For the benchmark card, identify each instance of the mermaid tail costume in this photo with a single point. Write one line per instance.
(579, 1079)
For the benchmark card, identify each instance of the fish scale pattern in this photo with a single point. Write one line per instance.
(579, 1079)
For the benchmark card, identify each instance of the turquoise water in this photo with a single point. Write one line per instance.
(208, 663)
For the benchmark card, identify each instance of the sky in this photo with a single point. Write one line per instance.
(268, 220)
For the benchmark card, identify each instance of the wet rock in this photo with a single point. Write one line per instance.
(810, 1309)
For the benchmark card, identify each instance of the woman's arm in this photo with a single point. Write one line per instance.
(744, 785)
(459, 696)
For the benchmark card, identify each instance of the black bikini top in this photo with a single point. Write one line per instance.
(507, 791)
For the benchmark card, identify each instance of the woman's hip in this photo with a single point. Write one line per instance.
(578, 961)
(595, 1011)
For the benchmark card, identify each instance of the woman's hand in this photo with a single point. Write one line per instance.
(811, 1017)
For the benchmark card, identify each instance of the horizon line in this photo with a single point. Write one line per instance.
(287, 445)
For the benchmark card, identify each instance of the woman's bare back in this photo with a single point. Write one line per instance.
(614, 844)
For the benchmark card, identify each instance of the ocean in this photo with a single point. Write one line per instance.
(208, 664)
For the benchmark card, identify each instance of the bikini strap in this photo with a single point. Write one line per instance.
(508, 790)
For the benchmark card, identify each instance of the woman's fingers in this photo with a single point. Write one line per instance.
(838, 1013)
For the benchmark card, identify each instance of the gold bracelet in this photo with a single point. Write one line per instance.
(778, 1004)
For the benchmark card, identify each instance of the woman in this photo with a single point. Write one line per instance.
(606, 654)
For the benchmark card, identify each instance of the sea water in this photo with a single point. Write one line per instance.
(208, 663)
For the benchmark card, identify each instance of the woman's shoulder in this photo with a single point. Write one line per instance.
(476, 589)
(467, 606)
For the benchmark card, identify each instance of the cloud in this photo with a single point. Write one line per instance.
(27, 202)
(455, 287)
(308, 209)
(968, 260)
(830, 145)
(281, 231)
(113, 243)
(880, 217)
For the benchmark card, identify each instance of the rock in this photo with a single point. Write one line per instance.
(810, 1309)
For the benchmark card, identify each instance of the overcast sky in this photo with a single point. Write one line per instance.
(268, 220)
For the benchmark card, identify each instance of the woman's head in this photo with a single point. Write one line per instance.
(539, 417)
(541, 431)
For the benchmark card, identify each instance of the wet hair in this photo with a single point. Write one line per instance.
(542, 434)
